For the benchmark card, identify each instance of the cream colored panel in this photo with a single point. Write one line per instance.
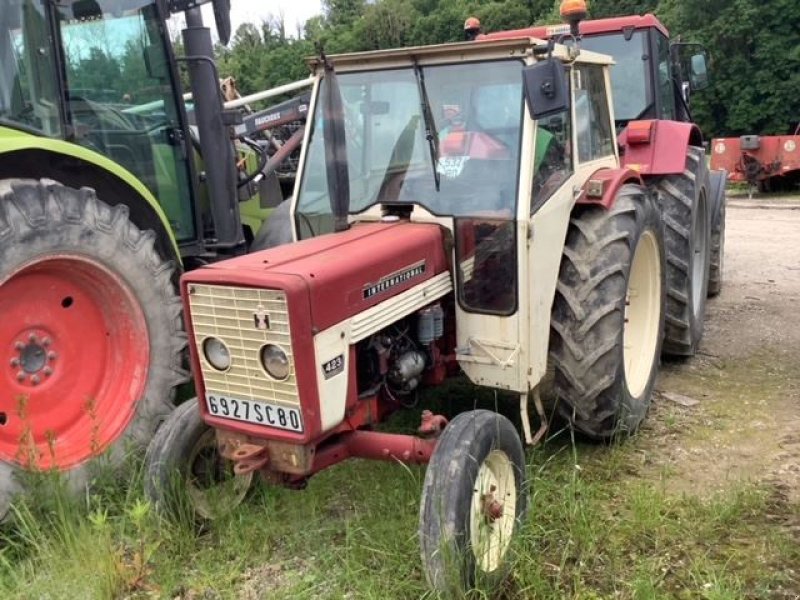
(389, 311)
(331, 347)
(230, 314)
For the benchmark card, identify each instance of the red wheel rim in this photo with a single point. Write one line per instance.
(75, 352)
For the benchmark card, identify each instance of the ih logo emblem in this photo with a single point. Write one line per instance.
(261, 319)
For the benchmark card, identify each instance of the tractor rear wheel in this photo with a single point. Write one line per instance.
(608, 315)
(473, 500)
(91, 337)
(184, 472)
(684, 203)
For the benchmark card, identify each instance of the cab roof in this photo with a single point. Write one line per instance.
(518, 46)
(588, 27)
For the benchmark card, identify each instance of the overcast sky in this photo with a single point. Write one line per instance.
(254, 11)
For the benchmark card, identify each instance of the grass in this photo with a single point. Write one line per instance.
(599, 526)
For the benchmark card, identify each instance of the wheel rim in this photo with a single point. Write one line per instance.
(700, 248)
(642, 314)
(75, 353)
(493, 511)
(211, 484)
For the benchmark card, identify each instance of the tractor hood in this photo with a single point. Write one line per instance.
(344, 273)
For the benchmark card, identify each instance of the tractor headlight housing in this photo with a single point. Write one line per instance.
(275, 362)
(217, 353)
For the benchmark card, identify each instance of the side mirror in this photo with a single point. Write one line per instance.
(691, 61)
(222, 16)
(698, 72)
(546, 89)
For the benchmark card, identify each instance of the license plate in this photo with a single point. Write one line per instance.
(252, 411)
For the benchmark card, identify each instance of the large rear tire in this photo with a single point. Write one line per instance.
(91, 338)
(684, 203)
(608, 315)
(473, 500)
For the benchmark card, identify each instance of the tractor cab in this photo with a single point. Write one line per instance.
(652, 78)
(101, 75)
(443, 135)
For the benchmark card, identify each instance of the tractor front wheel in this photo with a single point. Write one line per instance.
(473, 500)
(91, 336)
(608, 315)
(184, 472)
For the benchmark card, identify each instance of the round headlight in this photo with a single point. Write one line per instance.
(217, 354)
(275, 361)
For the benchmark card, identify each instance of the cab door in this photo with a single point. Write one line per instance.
(568, 148)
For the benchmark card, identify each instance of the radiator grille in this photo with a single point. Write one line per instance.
(229, 313)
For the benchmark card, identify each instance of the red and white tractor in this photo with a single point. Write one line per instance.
(460, 208)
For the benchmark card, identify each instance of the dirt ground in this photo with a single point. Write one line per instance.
(746, 425)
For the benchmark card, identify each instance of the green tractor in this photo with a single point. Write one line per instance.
(111, 184)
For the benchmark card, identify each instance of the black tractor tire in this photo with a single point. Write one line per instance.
(590, 315)
(72, 236)
(717, 262)
(183, 453)
(684, 202)
(473, 444)
(276, 229)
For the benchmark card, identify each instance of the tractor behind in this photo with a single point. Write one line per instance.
(461, 209)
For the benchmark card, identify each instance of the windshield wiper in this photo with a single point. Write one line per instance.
(430, 127)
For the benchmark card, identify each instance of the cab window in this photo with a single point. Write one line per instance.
(666, 88)
(592, 117)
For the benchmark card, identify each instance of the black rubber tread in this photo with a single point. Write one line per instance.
(166, 456)
(444, 534)
(586, 339)
(717, 261)
(680, 196)
(40, 218)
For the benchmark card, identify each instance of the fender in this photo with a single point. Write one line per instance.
(716, 194)
(602, 187)
(13, 142)
(658, 147)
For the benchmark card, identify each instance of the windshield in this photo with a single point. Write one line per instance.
(628, 75)
(467, 163)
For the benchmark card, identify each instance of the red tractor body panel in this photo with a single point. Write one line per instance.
(326, 280)
(345, 273)
(761, 158)
(663, 152)
(602, 187)
(592, 27)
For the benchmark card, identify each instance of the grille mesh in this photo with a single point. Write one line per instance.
(228, 313)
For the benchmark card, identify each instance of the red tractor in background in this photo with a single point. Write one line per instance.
(651, 82)
(764, 162)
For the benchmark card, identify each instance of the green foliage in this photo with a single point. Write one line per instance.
(754, 44)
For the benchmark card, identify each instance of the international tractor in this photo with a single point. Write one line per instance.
(460, 209)
(111, 184)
